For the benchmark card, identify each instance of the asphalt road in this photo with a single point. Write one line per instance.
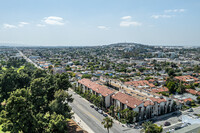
(93, 119)
(28, 60)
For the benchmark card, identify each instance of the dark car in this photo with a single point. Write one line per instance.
(105, 115)
(190, 110)
(167, 123)
(96, 109)
(174, 113)
(92, 106)
(177, 128)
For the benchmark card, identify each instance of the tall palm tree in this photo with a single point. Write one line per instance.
(107, 122)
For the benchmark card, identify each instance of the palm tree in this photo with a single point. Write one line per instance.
(111, 110)
(147, 126)
(107, 122)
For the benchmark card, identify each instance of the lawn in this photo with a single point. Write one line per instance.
(3, 68)
(21, 67)
(16, 69)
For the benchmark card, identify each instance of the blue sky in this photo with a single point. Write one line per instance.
(99, 22)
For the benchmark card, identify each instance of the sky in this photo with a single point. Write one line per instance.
(99, 22)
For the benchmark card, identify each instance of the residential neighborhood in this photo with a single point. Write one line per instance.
(132, 89)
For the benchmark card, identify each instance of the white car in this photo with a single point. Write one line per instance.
(184, 125)
(100, 111)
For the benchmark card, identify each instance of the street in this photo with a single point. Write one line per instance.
(92, 118)
(28, 60)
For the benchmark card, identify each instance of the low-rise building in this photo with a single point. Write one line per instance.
(97, 89)
(187, 79)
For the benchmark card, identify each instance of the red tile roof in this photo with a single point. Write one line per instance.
(130, 101)
(185, 78)
(151, 80)
(162, 89)
(139, 83)
(191, 91)
(103, 90)
(187, 99)
(158, 100)
(148, 102)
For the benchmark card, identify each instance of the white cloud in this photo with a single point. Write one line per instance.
(9, 26)
(103, 27)
(126, 17)
(161, 16)
(53, 20)
(21, 24)
(174, 10)
(40, 25)
(129, 23)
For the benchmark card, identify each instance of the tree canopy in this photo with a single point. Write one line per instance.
(34, 101)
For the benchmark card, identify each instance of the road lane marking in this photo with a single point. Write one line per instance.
(92, 116)
(86, 112)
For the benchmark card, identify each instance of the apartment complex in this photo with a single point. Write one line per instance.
(147, 105)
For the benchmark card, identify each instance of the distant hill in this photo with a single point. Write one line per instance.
(128, 44)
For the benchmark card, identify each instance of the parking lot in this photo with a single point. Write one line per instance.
(175, 119)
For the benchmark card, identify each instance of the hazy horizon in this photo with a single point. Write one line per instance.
(63, 45)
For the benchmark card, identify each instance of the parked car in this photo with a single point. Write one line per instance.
(96, 109)
(176, 128)
(184, 125)
(105, 115)
(179, 119)
(100, 111)
(167, 123)
(190, 110)
(174, 113)
(92, 106)
(129, 125)
(136, 127)
(171, 130)
(123, 125)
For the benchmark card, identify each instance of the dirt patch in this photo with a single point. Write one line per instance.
(75, 128)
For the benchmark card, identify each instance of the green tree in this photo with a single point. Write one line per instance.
(57, 123)
(92, 98)
(111, 110)
(42, 106)
(181, 88)
(198, 99)
(108, 123)
(149, 127)
(88, 76)
(62, 81)
(171, 72)
(59, 105)
(38, 73)
(8, 83)
(171, 86)
(17, 114)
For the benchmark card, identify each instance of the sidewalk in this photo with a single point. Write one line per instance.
(82, 124)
